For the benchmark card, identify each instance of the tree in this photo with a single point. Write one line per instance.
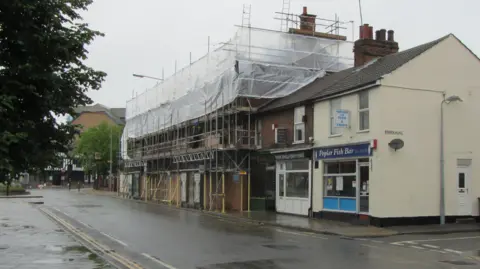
(42, 75)
(93, 148)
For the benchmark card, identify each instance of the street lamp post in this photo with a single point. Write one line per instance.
(150, 77)
(448, 100)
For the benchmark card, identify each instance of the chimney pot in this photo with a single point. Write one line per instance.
(391, 37)
(305, 11)
(365, 31)
(383, 35)
(367, 50)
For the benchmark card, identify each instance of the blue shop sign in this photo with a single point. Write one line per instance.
(344, 151)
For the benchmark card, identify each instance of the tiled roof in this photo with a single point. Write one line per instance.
(116, 114)
(351, 78)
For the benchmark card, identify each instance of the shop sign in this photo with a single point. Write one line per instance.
(290, 156)
(134, 164)
(345, 151)
(342, 118)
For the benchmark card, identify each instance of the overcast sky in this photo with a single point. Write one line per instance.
(144, 36)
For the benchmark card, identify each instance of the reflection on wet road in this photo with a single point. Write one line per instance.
(186, 239)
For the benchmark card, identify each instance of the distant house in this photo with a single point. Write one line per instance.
(92, 116)
(87, 117)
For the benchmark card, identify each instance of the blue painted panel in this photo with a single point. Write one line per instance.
(330, 203)
(344, 151)
(348, 204)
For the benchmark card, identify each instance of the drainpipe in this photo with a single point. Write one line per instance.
(442, 167)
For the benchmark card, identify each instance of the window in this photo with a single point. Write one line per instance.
(281, 185)
(334, 105)
(363, 111)
(258, 133)
(461, 180)
(299, 125)
(340, 179)
(297, 184)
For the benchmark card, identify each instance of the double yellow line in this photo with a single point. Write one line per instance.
(99, 247)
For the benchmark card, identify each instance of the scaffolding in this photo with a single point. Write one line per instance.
(191, 136)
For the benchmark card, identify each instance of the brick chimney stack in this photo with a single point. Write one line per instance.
(366, 48)
(307, 21)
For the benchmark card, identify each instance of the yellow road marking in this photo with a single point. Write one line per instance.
(122, 260)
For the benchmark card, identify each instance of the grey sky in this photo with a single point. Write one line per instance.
(144, 36)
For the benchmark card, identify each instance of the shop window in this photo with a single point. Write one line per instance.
(281, 184)
(344, 186)
(297, 165)
(299, 125)
(297, 184)
(340, 179)
(363, 111)
(340, 167)
(334, 106)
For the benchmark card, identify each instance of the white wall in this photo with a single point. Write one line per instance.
(323, 138)
(410, 177)
(406, 182)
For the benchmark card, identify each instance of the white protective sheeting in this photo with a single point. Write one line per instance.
(256, 63)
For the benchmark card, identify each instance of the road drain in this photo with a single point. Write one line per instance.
(459, 262)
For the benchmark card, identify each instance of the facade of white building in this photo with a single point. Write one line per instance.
(362, 171)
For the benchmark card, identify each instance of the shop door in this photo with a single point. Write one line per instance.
(280, 204)
(463, 192)
(364, 187)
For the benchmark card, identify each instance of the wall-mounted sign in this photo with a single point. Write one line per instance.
(290, 156)
(396, 144)
(135, 163)
(342, 118)
(344, 151)
(392, 132)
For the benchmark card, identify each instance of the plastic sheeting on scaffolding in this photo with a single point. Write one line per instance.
(256, 63)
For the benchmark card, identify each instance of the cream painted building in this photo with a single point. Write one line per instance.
(377, 137)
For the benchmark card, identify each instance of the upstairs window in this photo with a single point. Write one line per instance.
(363, 111)
(299, 125)
(335, 104)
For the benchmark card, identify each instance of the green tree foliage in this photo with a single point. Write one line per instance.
(42, 75)
(96, 141)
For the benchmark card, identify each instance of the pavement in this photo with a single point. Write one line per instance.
(28, 239)
(143, 235)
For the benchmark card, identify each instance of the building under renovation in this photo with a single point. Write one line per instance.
(189, 141)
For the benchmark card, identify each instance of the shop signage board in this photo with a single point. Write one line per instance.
(290, 156)
(343, 151)
(342, 118)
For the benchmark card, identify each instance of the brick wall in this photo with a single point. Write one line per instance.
(285, 119)
(92, 119)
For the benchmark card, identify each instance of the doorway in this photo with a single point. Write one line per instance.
(293, 186)
(364, 187)
(464, 199)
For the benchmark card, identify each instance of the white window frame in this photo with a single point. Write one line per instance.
(362, 111)
(298, 114)
(332, 118)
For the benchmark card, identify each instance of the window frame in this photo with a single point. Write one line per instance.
(332, 117)
(361, 111)
(298, 122)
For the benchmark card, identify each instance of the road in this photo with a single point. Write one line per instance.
(161, 237)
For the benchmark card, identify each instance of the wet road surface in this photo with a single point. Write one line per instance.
(171, 238)
(28, 239)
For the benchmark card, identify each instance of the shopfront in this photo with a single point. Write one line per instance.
(293, 182)
(345, 177)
